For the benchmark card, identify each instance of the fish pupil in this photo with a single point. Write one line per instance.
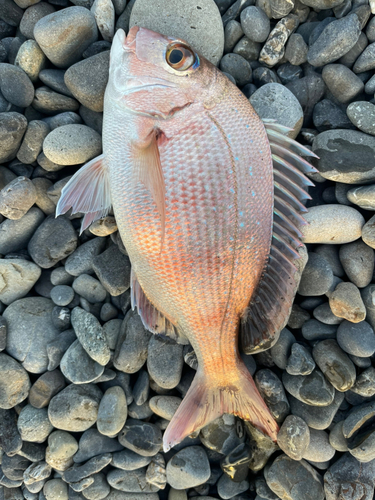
(176, 56)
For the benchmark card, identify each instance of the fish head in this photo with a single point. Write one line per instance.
(159, 76)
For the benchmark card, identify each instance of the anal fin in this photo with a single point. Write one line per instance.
(270, 306)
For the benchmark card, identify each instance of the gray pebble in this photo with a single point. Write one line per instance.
(350, 57)
(90, 334)
(300, 361)
(311, 389)
(331, 254)
(74, 30)
(141, 388)
(56, 348)
(31, 315)
(3, 333)
(113, 270)
(78, 367)
(188, 468)
(362, 196)
(319, 449)
(99, 489)
(282, 349)
(156, 473)
(96, 48)
(323, 312)
(272, 391)
(92, 119)
(289, 478)
(165, 362)
(62, 295)
(232, 34)
(14, 467)
(15, 85)
(336, 40)
(143, 438)
(357, 339)
(48, 166)
(88, 79)
(274, 101)
(226, 488)
(65, 118)
(129, 460)
(357, 259)
(54, 78)
(32, 142)
(316, 417)
(328, 116)
(81, 260)
(247, 49)
(17, 197)
(358, 432)
(33, 424)
(45, 387)
(111, 330)
(335, 364)
(294, 437)
(238, 67)
(72, 144)
(296, 50)
(14, 382)
(342, 82)
(316, 277)
(107, 313)
(89, 288)
(49, 102)
(30, 59)
(18, 276)
(165, 406)
(336, 437)
(92, 443)
(346, 302)
(365, 61)
(255, 24)
(36, 472)
(112, 412)
(221, 435)
(53, 241)
(32, 15)
(92, 466)
(130, 481)
(104, 226)
(10, 440)
(61, 448)
(75, 408)
(365, 383)
(42, 199)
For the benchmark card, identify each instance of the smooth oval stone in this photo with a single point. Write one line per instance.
(130, 482)
(188, 468)
(346, 302)
(78, 367)
(198, 23)
(311, 389)
(12, 129)
(342, 82)
(365, 61)
(319, 449)
(317, 276)
(358, 430)
(90, 334)
(357, 259)
(294, 437)
(14, 382)
(15, 85)
(141, 437)
(357, 339)
(362, 115)
(112, 412)
(332, 224)
(17, 277)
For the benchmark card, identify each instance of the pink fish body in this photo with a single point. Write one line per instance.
(188, 169)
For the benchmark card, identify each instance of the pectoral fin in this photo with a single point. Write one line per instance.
(148, 170)
(87, 192)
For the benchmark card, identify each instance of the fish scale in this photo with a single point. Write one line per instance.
(188, 167)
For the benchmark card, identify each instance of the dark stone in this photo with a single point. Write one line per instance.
(10, 439)
(141, 437)
(328, 116)
(308, 90)
(236, 463)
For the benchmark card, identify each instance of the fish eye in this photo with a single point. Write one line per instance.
(180, 57)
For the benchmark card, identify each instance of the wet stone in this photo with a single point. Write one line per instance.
(316, 277)
(130, 481)
(92, 443)
(312, 389)
(272, 391)
(294, 437)
(316, 417)
(335, 364)
(282, 349)
(141, 437)
(188, 468)
(346, 302)
(300, 361)
(90, 334)
(222, 434)
(45, 387)
(113, 270)
(236, 464)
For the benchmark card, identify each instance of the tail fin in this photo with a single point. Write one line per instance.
(204, 402)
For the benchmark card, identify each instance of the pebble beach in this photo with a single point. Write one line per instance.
(86, 392)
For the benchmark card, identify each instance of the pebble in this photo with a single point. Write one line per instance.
(32, 15)
(113, 270)
(356, 149)
(53, 241)
(281, 351)
(165, 362)
(36, 472)
(188, 468)
(112, 412)
(232, 34)
(365, 61)
(10, 440)
(300, 361)
(99, 489)
(156, 473)
(165, 406)
(327, 116)
(350, 57)
(14, 382)
(317, 276)
(81, 260)
(49, 102)
(104, 13)
(272, 391)
(89, 288)
(335, 40)
(274, 101)
(330, 224)
(78, 367)
(198, 23)
(316, 417)
(31, 315)
(17, 277)
(88, 79)
(104, 227)
(311, 389)
(65, 118)
(357, 259)
(346, 302)
(323, 312)
(249, 50)
(222, 434)
(362, 196)
(62, 295)
(130, 481)
(236, 464)
(55, 489)
(226, 488)
(336, 437)
(15, 85)
(274, 49)
(33, 424)
(291, 479)
(357, 339)
(92, 443)
(17, 197)
(255, 24)
(30, 59)
(319, 448)
(56, 348)
(90, 334)
(296, 49)
(238, 67)
(75, 408)
(335, 364)
(358, 431)
(9, 142)
(350, 475)
(143, 438)
(129, 460)
(3, 333)
(342, 82)
(74, 30)
(14, 467)
(364, 385)
(42, 200)
(45, 387)
(294, 437)
(368, 234)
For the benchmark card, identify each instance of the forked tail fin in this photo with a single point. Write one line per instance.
(205, 401)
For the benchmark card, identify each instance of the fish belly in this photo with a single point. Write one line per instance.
(219, 204)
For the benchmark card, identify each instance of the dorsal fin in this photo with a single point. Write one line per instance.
(151, 317)
(270, 306)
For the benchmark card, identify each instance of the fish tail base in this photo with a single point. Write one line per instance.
(204, 402)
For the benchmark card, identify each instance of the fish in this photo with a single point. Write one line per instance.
(208, 200)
